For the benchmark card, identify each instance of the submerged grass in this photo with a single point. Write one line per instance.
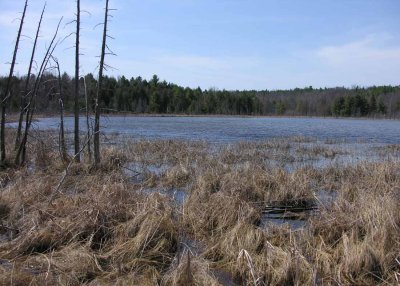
(99, 228)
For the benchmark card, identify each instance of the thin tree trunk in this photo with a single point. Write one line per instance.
(6, 94)
(63, 149)
(96, 140)
(25, 93)
(21, 153)
(87, 121)
(76, 106)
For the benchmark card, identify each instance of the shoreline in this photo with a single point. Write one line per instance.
(13, 117)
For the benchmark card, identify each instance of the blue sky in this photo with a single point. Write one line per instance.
(231, 44)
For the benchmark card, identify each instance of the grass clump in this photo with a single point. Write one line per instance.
(101, 227)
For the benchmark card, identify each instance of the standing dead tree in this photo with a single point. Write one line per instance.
(76, 95)
(25, 92)
(6, 95)
(30, 107)
(96, 139)
(63, 149)
(87, 120)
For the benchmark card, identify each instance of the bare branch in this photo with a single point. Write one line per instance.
(99, 24)
(69, 48)
(66, 37)
(87, 12)
(26, 36)
(57, 190)
(69, 23)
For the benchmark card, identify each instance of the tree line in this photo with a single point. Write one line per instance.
(138, 95)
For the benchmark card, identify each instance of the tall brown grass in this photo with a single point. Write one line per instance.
(100, 228)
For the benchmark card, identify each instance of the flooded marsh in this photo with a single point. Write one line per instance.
(280, 211)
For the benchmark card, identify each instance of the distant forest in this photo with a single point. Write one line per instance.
(137, 95)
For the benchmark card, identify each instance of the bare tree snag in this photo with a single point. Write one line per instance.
(21, 153)
(87, 120)
(7, 93)
(96, 139)
(76, 95)
(25, 92)
(63, 149)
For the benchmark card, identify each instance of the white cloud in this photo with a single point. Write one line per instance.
(368, 51)
(371, 60)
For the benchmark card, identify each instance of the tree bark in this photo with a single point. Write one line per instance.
(63, 149)
(87, 121)
(76, 96)
(25, 93)
(96, 139)
(7, 93)
(21, 153)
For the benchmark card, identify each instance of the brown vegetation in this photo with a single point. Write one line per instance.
(107, 225)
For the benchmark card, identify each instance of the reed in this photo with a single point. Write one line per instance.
(99, 227)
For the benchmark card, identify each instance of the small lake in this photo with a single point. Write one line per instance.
(233, 129)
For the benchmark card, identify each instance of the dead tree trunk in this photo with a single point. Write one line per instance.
(96, 140)
(7, 93)
(87, 121)
(63, 149)
(76, 96)
(25, 92)
(21, 153)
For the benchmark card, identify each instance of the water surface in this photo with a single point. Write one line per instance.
(234, 129)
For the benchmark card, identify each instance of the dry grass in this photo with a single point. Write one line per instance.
(99, 228)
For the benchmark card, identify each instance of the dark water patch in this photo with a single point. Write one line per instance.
(295, 213)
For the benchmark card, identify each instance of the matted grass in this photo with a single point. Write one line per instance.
(99, 227)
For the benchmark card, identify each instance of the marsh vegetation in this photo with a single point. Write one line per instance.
(175, 212)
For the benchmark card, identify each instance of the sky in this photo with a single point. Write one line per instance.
(222, 44)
